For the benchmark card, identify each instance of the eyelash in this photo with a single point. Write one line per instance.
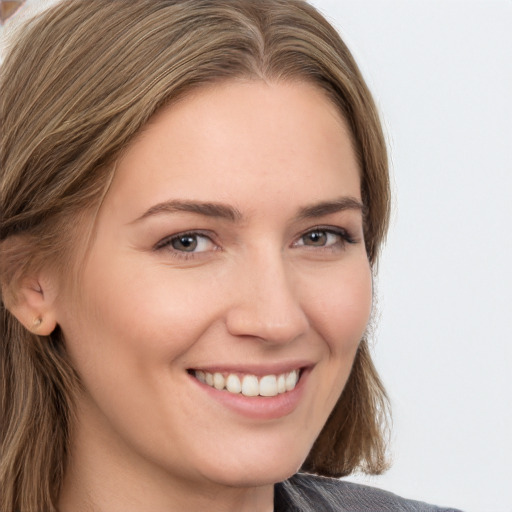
(343, 234)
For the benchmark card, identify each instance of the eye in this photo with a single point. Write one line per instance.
(325, 238)
(318, 238)
(187, 243)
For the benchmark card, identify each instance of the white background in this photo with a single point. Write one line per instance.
(441, 72)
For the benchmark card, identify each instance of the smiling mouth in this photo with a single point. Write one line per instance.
(249, 385)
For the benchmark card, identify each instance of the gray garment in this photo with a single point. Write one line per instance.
(309, 493)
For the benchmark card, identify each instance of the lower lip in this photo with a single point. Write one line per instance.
(258, 407)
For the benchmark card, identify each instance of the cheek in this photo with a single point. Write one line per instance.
(340, 307)
(127, 337)
(148, 303)
(128, 326)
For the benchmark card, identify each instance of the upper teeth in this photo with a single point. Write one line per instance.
(250, 385)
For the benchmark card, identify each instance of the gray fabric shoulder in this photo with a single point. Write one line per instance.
(309, 493)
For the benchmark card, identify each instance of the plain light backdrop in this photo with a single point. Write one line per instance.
(441, 73)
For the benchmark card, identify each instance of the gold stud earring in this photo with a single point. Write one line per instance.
(37, 323)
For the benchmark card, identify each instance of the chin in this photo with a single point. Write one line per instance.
(255, 477)
(270, 469)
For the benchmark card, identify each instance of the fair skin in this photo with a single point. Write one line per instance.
(230, 242)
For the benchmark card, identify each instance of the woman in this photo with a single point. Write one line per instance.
(194, 194)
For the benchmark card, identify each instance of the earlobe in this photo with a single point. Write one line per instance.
(33, 306)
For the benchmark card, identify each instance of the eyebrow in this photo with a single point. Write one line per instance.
(328, 207)
(206, 209)
(230, 213)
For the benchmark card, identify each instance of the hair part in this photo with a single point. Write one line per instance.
(69, 107)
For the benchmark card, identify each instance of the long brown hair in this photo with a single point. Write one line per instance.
(79, 83)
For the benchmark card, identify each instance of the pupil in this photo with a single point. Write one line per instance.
(185, 243)
(317, 238)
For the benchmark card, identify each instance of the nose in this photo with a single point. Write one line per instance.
(265, 302)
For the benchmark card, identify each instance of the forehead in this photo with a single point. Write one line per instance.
(240, 139)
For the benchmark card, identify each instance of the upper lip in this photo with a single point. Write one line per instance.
(276, 368)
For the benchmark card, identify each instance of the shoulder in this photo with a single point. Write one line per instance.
(305, 493)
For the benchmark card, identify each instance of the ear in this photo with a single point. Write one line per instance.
(34, 305)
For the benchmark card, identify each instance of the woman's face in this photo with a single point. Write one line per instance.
(229, 249)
